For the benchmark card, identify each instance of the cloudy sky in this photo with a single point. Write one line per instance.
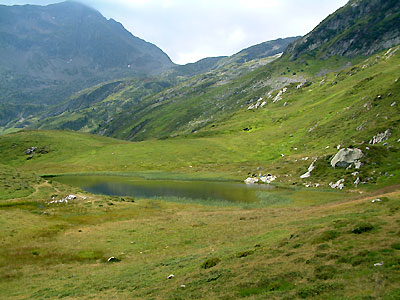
(188, 30)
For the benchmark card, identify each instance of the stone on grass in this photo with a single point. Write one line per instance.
(376, 200)
(337, 185)
(251, 180)
(171, 276)
(30, 150)
(113, 259)
(345, 157)
(268, 179)
(380, 137)
(310, 169)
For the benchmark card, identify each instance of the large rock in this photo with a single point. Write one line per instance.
(346, 157)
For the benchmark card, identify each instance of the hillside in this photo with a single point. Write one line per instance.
(102, 108)
(359, 28)
(346, 108)
(235, 82)
(49, 52)
(260, 51)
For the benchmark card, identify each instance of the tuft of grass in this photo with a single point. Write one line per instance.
(364, 227)
(211, 262)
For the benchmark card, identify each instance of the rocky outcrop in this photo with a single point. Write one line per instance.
(337, 185)
(262, 178)
(380, 137)
(346, 157)
(340, 33)
(310, 169)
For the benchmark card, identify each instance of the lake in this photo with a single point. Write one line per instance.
(143, 188)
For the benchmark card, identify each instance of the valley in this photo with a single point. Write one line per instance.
(133, 188)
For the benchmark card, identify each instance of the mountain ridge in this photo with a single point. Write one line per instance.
(67, 44)
(358, 28)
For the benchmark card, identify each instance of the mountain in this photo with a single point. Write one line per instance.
(259, 51)
(361, 27)
(124, 108)
(49, 52)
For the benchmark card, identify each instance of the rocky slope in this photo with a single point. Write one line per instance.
(49, 52)
(361, 27)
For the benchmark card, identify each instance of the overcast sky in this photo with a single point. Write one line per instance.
(188, 30)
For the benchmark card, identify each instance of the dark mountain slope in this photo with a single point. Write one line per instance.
(48, 52)
(361, 27)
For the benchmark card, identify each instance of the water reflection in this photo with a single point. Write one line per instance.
(125, 186)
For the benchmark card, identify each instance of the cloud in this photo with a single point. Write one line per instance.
(190, 30)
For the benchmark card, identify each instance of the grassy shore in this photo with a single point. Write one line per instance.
(306, 248)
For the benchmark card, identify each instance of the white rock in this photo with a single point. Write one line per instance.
(310, 169)
(380, 137)
(268, 179)
(378, 264)
(346, 157)
(251, 180)
(338, 185)
(376, 200)
(171, 276)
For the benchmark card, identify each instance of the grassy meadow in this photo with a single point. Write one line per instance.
(300, 249)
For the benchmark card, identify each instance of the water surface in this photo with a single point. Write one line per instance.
(142, 188)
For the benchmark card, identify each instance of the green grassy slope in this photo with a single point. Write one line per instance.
(364, 94)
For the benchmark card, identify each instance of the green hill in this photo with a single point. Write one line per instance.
(49, 52)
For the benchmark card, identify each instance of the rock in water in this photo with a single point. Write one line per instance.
(345, 157)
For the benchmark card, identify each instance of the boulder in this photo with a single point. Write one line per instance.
(30, 150)
(310, 169)
(337, 185)
(380, 137)
(251, 180)
(346, 157)
(268, 179)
